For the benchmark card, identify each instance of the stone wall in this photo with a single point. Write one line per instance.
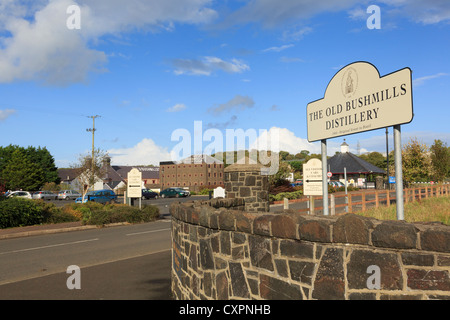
(222, 253)
(246, 182)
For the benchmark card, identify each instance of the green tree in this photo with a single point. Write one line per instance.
(375, 158)
(89, 170)
(22, 173)
(440, 160)
(416, 161)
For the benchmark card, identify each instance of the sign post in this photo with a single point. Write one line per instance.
(358, 99)
(134, 186)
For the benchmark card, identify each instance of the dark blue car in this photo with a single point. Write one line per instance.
(101, 196)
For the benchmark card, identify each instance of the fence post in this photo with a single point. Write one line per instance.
(388, 201)
(332, 203)
(376, 199)
(363, 200)
(349, 202)
(285, 203)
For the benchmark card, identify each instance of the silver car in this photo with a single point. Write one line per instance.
(44, 195)
(20, 194)
(68, 194)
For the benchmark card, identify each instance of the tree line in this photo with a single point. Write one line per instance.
(26, 168)
(420, 162)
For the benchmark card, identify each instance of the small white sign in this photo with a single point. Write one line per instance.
(134, 187)
(312, 178)
(219, 192)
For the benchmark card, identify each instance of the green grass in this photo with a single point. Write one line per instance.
(424, 210)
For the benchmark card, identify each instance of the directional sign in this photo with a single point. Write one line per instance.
(134, 189)
(312, 178)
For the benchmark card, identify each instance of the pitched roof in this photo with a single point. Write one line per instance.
(67, 174)
(147, 172)
(352, 163)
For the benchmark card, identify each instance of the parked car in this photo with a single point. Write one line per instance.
(101, 196)
(20, 194)
(45, 195)
(68, 194)
(336, 184)
(149, 194)
(174, 192)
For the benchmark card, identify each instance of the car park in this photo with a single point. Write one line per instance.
(68, 194)
(45, 195)
(100, 196)
(149, 194)
(174, 192)
(19, 194)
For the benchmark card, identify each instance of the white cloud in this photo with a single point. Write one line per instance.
(207, 66)
(287, 141)
(420, 81)
(278, 49)
(177, 107)
(144, 153)
(4, 114)
(38, 46)
(270, 14)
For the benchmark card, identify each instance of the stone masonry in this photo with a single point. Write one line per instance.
(246, 182)
(222, 252)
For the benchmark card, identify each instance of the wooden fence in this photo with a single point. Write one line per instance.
(357, 201)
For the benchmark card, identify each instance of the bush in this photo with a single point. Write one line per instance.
(114, 213)
(290, 195)
(17, 212)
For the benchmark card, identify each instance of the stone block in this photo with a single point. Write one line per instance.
(312, 229)
(245, 192)
(302, 271)
(274, 289)
(222, 286)
(410, 258)
(390, 270)
(250, 181)
(420, 279)
(260, 252)
(435, 239)
(283, 226)
(206, 254)
(238, 283)
(226, 220)
(352, 228)
(296, 249)
(329, 283)
(261, 225)
(395, 234)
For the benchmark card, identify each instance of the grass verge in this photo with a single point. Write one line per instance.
(424, 210)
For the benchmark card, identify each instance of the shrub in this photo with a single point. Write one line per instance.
(17, 212)
(114, 213)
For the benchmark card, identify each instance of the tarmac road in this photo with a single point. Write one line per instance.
(122, 262)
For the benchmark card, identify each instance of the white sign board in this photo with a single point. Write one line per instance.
(312, 178)
(357, 99)
(219, 192)
(134, 188)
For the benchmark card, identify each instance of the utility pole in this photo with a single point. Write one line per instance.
(93, 132)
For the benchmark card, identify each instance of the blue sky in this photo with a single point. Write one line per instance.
(149, 68)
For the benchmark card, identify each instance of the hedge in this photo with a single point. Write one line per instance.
(18, 212)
